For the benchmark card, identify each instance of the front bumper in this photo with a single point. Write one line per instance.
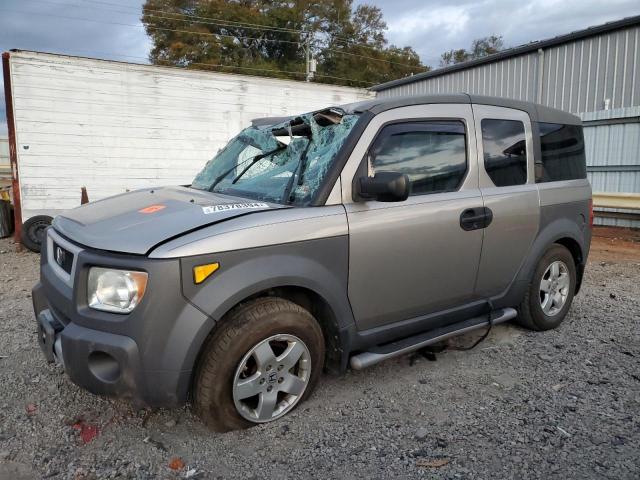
(147, 356)
(48, 337)
(101, 362)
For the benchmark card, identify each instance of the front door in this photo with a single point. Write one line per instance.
(412, 258)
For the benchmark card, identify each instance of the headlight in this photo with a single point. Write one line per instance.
(118, 291)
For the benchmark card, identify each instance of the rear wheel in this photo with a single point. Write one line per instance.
(551, 290)
(265, 358)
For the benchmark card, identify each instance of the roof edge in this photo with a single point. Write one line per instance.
(177, 68)
(514, 51)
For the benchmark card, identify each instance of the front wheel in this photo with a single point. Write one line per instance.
(264, 359)
(551, 290)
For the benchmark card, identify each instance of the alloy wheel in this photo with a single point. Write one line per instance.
(271, 378)
(554, 288)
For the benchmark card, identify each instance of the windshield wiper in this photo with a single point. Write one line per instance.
(253, 161)
(256, 159)
(300, 167)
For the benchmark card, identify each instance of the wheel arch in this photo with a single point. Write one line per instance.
(561, 231)
(312, 274)
(564, 232)
(321, 309)
(336, 337)
(577, 253)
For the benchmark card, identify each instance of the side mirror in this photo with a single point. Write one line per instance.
(384, 187)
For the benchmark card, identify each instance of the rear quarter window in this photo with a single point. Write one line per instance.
(563, 156)
(505, 151)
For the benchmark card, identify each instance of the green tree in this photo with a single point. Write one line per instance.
(480, 47)
(454, 56)
(270, 38)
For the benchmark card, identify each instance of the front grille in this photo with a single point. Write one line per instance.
(63, 257)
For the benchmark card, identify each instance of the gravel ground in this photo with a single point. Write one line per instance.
(559, 404)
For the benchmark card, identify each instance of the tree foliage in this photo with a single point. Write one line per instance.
(480, 47)
(269, 38)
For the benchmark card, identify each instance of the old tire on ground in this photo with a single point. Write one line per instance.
(33, 230)
(551, 290)
(247, 366)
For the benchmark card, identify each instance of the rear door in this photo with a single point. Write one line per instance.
(507, 183)
(412, 258)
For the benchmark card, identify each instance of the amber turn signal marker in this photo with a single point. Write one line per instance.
(202, 272)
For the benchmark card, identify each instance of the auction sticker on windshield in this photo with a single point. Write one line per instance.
(233, 206)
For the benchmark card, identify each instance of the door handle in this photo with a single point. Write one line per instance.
(475, 218)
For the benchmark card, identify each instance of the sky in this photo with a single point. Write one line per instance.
(429, 26)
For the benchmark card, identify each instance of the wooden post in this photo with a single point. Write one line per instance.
(13, 149)
(84, 197)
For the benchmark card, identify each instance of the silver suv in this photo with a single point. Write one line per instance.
(337, 238)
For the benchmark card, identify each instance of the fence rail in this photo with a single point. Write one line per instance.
(627, 201)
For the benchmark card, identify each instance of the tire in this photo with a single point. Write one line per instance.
(541, 310)
(33, 232)
(218, 383)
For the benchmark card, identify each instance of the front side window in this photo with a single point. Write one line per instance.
(432, 154)
(505, 151)
(562, 148)
(285, 163)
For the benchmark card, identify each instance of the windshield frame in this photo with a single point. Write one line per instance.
(341, 158)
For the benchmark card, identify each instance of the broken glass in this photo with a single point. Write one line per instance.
(293, 156)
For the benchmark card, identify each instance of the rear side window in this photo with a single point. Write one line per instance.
(432, 154)
(562, 153)
(505, 151)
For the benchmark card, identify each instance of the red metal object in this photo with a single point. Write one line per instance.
(84, 196)
(13, 149)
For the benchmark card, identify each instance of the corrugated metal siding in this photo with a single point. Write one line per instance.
(596, 77)
(594, 73)
(114, 126)
(578, 77)
(514, 78)
(609, 147)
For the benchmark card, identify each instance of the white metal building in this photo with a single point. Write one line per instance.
(114, 126)
(593, 73)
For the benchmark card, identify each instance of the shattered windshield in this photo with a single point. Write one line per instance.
(284, 163)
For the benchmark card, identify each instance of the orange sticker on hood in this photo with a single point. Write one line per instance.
(152, 209)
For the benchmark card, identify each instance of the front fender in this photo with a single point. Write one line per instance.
(318, 265)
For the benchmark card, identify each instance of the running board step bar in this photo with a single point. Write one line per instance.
(416, 342)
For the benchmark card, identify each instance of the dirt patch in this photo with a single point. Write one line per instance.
(615, 244)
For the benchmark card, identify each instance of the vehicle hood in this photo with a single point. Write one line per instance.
(136, 222)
